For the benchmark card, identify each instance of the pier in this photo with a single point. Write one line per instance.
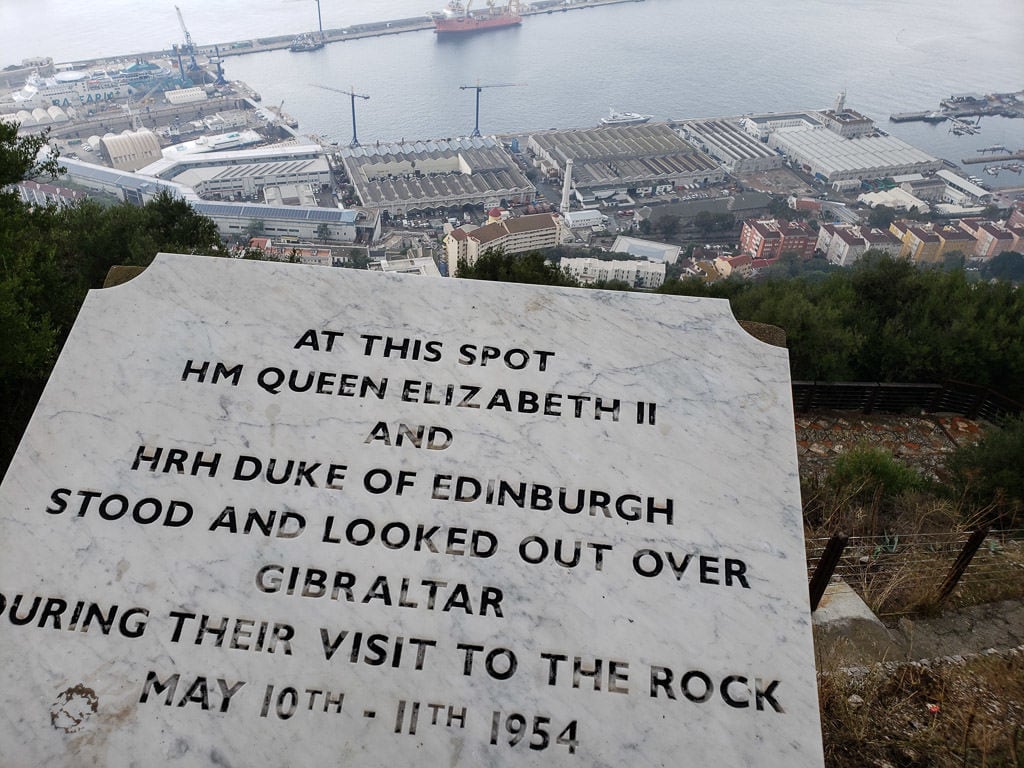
(927, 116)
(1018, 155)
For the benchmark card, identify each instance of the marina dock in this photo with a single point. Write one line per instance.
(968, 105)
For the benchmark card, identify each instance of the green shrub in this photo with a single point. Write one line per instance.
(868, 473)
(989, 475)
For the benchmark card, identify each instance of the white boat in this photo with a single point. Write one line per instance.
(624, 118)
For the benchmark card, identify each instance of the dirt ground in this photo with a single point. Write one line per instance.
(779, 181)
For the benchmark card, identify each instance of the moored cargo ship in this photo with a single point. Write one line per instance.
(458, 19)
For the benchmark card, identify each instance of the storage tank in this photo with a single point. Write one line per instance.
(41, 116)
(57, 114)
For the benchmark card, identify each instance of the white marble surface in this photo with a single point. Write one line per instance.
(721, 448)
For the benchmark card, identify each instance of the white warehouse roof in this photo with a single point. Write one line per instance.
(833, 156)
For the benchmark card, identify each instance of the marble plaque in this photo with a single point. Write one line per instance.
(276, 515)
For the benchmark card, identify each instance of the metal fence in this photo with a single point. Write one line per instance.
(902, 574)
(970, 400)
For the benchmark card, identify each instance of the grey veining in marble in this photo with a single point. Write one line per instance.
(271, 515)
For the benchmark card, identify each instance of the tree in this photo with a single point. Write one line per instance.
(669, 225)
(30, 278)
(323, 232)
(530, 267)
(1008, 265)
(21, 158)
(881, 217)
(779, 209)
(254, 229)
(988, 474)
(704, 221)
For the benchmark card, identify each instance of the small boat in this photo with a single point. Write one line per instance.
(306, 42)
(624, 118)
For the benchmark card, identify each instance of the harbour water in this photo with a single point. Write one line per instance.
(670, 58)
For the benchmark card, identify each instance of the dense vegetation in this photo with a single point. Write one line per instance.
(887, 320)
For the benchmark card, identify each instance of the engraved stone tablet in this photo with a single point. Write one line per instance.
(272, 515)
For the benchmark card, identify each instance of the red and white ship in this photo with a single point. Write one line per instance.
(458, 20)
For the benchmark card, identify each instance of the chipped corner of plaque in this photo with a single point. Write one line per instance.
(124, 273)
(119, 275)
(73, 708)
(764, 332)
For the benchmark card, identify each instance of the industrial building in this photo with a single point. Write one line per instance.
(431, 175)
(232, 219)
(838, 146)
(518, 235)
(832, 158)
(896, 198)
(244, 173)
(131, 150)
(727, 142)
(763, 126)
(928, 188)
(240, 220)
(960, 191)
(123, 185)
(646, 249)
(846, 122)
(585, 219)
(642, 160)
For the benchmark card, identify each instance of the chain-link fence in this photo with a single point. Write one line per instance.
(901, 574)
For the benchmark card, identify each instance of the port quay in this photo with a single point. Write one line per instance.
(360, 31)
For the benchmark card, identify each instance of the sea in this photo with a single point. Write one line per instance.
(672, 59)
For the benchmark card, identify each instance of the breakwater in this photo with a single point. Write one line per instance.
(354, 32)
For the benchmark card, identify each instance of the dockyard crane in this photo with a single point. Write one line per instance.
(189, 45)
(220, 66)
(319, 21)
(353, 95)
(478, 88)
